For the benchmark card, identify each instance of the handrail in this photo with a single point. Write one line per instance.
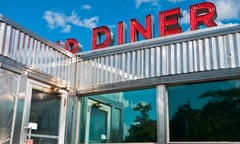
(25, 47)
(44, 136)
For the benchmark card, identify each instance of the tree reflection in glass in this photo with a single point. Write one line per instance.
(218, 119)
(144, 128)
(133, 117)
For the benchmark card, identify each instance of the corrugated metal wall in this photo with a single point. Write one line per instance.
(202, 50)
(26, 48)
(8, 98)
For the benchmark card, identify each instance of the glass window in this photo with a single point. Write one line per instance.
(8, 92)
(98, 125)
(120, 117)
(205, 111)
(44, 112)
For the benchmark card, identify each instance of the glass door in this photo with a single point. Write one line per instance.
(98, 122)
(45, 117)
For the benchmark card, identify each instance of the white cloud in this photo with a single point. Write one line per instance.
(91, 22)
(54, 19)
(227, 9)
(152, 2)
(60, 20)
(142, 102)
(139, 2)
(176, 1)
(219, 23)
(125, 102)
(185, 19)
(112, 26)
(86, 7)
(67, 29)
(128, 103)
(125, 130)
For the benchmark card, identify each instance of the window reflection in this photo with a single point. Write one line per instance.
(44, 113)
(98, 125)
(140, 116)
(205, 111)
(120, 117)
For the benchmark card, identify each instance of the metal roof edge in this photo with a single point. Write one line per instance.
(8, 21)
(159, 41)
(14, 66)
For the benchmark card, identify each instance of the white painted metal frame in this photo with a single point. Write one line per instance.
(15, 110)
(103, 107)
(25, 92)
(162, 119)
(63, 110)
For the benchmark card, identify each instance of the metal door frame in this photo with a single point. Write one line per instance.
(32, 84)
(103, 107)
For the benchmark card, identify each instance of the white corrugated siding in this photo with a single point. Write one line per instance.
(32, 51)
(203, 50)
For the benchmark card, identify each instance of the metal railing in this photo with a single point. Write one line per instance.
(25, 47)
(202, 50)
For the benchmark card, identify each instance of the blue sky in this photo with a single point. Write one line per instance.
(59, 20)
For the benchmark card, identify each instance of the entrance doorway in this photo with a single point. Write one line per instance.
(98, 122)
(45, 117)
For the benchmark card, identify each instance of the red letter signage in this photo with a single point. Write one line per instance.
(200, 14)
(71, 45)
(203, 13)
(136, 28)
(168, 21)
(96, 36)
(121, 33)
